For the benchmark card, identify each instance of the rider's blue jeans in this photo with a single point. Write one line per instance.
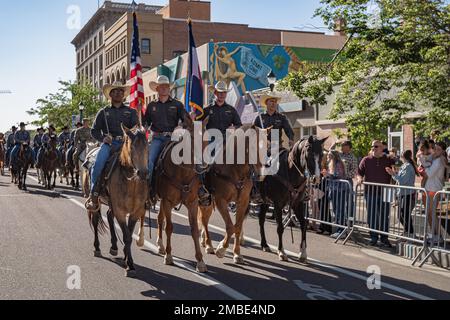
(100, 162)
(155, 149)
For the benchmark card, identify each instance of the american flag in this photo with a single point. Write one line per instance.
(137, 97)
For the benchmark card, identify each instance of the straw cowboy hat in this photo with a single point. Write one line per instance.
(116, 85)
(269, 96)
(220, 86)
(160, 81)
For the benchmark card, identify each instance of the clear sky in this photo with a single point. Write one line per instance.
(36, 52)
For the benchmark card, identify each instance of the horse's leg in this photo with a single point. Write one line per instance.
(278, 212)
(131, 271)
(193, 222)
(222, 206)
(95, 222)
(262, 219)
(127, 246)
(168, 259)
(161, 220)
(204, 216)
(114, 251)
(140, 243)
(241, 211)
(54, 180)
(24, 185)
(300, 214)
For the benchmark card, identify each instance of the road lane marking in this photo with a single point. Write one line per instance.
(208, 280)
(289, 253)
(324, 265)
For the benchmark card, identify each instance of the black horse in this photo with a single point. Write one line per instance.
(19, 168)
(289, 187)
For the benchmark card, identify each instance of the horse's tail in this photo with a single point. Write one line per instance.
(96, 217)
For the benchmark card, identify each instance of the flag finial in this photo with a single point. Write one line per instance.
(134, 5)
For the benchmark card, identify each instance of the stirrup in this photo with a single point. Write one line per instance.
(91, 206)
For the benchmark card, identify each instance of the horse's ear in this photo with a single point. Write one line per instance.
(323, 140)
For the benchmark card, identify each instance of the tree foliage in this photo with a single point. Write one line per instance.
(396, 61)
(57, 108)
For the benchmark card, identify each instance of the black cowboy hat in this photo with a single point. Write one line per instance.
(40, 129)
(13, 128)
(79, 124)
(66, 128)
(22, 124)
(52, 127)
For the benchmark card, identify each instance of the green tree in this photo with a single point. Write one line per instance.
(58, 108)
(396, 60)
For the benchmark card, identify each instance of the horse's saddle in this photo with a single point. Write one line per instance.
(158, 169)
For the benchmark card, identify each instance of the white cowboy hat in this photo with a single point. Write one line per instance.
(264, 98)
(107, 88)
(220, 86)
(161, 80)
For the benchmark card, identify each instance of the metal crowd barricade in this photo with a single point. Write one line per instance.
(438, 238)
(332, 205)
(393, 211)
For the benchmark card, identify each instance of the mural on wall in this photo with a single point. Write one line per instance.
(249, 64)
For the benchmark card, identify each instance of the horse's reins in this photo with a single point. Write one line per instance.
(239, 185)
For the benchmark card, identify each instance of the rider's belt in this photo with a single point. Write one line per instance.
(162, 134)
(118, 138)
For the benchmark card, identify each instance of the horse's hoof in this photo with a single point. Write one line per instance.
(201, 267)
(220, 252)
(282, 256)
(97, 254)
(303, 258)
(266, 249)
(140, 243)
(168, 260)
(238, 259)
(209, 250)
(113, 252)
(130, 273)
(162, 251)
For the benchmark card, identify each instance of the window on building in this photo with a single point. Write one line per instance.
(100, 62)
(82, 55)
(309, 131)
(90, 70)
(146, 46)
(100, 38)
(78, 58)
(95, 68)
(90, 47)
(95, 43)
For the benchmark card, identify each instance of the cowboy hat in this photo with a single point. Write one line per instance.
(107, 88)
(220, 86)
(22, 124)
(160, 81)
(264, 98)
(13, 128)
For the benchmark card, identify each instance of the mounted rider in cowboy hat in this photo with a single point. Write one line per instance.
(162, 116)
(45, 144)
(72, 145)
(10, 142)
(221, 117)
(20, 137)
(107, 130)
(37, 143)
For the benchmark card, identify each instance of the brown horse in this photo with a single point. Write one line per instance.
(125, 195)
(50, 163)
(232, 183)
(178, 184)
(2, 156)
(19, 168)
(63, 170)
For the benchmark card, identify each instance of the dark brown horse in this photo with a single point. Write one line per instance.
(50, 162)
(233, 183)
(63, 171)
(19, 168)
(71, 166)
(178, 184)
(126, 194)
(288, 187)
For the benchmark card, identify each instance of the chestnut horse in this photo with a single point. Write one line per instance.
(233, 183)
(125, 194)
(50, 163)
(178, 184)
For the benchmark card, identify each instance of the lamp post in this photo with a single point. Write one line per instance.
(272, 80)
(81, 108)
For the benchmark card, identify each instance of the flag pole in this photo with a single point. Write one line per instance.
(139, 105)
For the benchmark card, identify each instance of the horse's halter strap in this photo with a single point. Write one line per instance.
(239, 185)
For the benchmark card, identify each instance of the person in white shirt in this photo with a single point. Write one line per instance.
(435, 182)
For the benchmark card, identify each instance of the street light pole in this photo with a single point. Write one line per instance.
(81, 108)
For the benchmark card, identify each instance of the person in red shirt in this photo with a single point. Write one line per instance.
(373, 169)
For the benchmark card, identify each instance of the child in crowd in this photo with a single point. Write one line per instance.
(424, 160)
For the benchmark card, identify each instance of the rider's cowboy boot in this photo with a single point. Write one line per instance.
(204, 196)
(93, 203)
